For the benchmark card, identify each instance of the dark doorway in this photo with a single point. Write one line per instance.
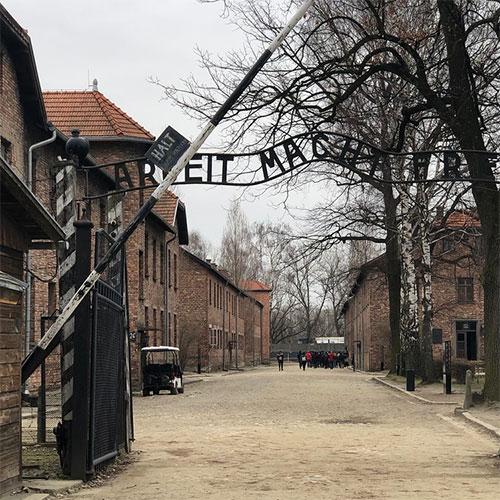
(467, 340)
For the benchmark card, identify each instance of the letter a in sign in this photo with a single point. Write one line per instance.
(167, 149)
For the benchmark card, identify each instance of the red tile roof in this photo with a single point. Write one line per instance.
(92, 113)
(461, 219)
(255, 286)
(166, 207)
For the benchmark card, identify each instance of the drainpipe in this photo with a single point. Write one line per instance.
(167, 288)
(28, 260)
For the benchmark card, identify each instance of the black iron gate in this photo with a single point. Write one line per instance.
(108, 397)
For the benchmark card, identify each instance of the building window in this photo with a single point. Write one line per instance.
(465, 290)
(52, 298)
(162, 263)
(175, 271)
(175, 329)
(169, 268)
(141, 275)
(162, 326)
(102, 214)
(6, 150)
(146, 254)
(154, 260)
(155, 331)
(169, 329)
(210, 292)
(146, 318)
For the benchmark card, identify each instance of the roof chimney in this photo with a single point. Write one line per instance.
(94, 85)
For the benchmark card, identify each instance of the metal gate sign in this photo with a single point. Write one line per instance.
(167, 149)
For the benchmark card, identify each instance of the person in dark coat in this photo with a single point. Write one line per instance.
(280, 357)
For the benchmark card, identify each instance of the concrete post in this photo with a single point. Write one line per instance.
(468, 390)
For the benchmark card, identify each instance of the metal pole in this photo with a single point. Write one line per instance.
(32, 361)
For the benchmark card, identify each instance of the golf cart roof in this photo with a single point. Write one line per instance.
(160, 348)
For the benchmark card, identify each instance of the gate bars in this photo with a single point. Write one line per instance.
(33, 360)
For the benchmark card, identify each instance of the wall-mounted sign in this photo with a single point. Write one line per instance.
(167, 149)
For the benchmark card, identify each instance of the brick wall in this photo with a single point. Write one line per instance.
(194, 316)
(147, 295)
(263, 322)
(13, 126)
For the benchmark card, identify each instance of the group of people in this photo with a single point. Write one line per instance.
(318, 359)
(323, 359)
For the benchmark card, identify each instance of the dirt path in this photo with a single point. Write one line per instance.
(293, 435)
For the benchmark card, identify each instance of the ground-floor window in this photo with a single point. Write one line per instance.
(466, 332)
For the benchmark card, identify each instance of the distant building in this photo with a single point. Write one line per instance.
(221, 323)
(457, 299)
(262, 293)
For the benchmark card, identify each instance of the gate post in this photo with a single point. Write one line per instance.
(79, 436)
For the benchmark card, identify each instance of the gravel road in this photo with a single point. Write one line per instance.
(317, 434)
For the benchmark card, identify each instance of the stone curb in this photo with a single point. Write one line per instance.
(51, 486)
(467, 415)
(410, 394)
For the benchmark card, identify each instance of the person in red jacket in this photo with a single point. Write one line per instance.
(331, 359)
(308, 358)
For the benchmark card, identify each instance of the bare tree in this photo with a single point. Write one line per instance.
(443, 53)
(237, 251)
(305, 286)
(199, 246)
(335, 274)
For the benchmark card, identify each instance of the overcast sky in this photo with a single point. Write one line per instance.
(122, 43)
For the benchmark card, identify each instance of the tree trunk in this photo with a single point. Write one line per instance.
(465, 123)
(393, 273)
(427, 363)
(409, 295)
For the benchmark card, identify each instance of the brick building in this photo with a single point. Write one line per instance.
(262, 293)
(24, 223)
(456, 291)
(221, 324)
(153, 250)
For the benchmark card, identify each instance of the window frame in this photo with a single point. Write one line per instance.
(465, 290)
